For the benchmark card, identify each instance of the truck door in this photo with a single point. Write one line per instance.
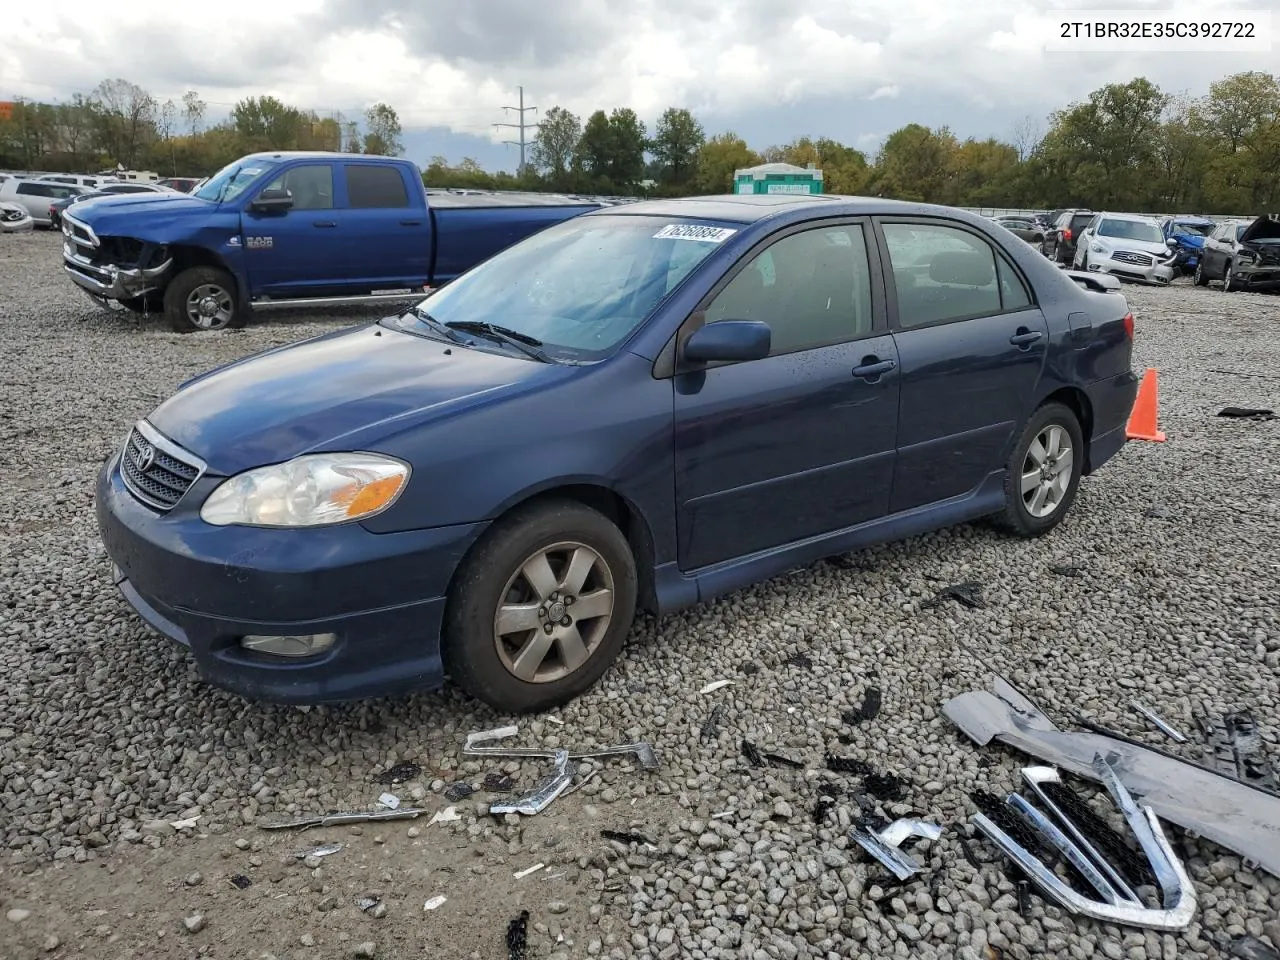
(386, 225)
(297, 251)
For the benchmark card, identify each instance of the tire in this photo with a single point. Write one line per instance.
(1227, 285)
(483, 663)
(1198, 278)
(197, 290)
(1017, 517)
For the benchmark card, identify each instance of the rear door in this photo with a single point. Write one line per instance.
(385, 225)
(300, 250)
(971, 344)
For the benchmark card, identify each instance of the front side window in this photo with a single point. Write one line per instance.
(311, 186)
(812, 289)
(941, 273)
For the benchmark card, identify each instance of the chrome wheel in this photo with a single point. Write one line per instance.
(554, 612)
(210, 307)
(1046, 471)
(1227, 285)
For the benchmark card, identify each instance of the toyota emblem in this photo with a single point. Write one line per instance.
(145, 458)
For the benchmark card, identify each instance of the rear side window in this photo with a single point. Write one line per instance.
(941, 274)
(35, 189)
(1080, 221)
(370, 187)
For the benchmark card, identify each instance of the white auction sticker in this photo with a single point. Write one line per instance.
(692, 231)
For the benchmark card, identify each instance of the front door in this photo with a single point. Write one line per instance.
(294, 252)
(971, 343)
(799, 443)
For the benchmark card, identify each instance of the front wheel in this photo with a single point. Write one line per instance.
(203, 298)
(1227, 285)
(540, 608)
(1043, 472)
(1199, 279)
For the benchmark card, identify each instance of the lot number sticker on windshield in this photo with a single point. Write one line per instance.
(691, 231)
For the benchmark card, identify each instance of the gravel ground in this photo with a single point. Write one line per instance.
(107, 735)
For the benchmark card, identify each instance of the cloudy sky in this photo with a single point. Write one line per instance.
(771, 71)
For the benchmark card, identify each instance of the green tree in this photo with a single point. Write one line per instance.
(552, 152)
(676, 142)
(627, 144)
(266, 123)
(718, 158)
(125, 115)
(382, 131)
(594, 156)
(982, 173)
(916, 163)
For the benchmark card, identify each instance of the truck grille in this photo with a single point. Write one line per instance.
(1137, 259)
(155, 471)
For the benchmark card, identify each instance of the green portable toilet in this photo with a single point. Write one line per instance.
(778, 178)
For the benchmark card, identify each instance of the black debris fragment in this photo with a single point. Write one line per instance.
(498, 783)
(1112, 845)
(399, 773)
(799, 660)
(967, 850)
(869, 710)
(712, 724)
(884, 786)
(1249, 947)
(752, 754)
(779, 761)
(459, 791)
(847, 765)
(518, 937)
(750, 668)
(1247, 413)
(1066, 570)
(241, 882)
(968, 594)
(822, 808)
(627, 838)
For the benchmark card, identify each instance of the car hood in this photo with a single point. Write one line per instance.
(1264, 228)
(343, 390)
(1193, 240)
(120, 216)
(1157, 248)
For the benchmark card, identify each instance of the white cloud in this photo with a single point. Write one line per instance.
(440, 66)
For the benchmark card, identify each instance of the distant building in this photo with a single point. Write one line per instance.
(778, 178)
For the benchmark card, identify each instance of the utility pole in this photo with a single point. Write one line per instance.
(522, 143)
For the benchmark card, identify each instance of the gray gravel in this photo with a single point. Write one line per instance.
(107, 735)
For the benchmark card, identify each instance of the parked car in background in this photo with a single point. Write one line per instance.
(91, 182)
(280, 228)
(366, 512)
(36, 195)
(1059, 243)
(1127, 246)
(1189, 234)
(14, 218)
(181, 184)
(1243, 254)
(1022, 227)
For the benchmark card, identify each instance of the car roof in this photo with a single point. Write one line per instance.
(1132, 217)
(752, 208)
(318, 154)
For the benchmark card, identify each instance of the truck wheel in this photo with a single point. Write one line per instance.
(203, 298)
(540, 608)
(1043, 473)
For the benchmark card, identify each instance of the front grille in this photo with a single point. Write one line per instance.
(1137, 259)
(155, 471)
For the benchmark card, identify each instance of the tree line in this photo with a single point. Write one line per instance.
(1130, 145)
(121, 123)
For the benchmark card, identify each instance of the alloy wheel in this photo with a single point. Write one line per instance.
(1046, 471)
(210, 307)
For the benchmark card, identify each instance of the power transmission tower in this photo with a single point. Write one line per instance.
(522, 143)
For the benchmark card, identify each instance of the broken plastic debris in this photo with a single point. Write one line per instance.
(967, 594)
(459, 791)
(323, 850)
(518, 937)
(711, 725)
(752, 754)
(498, 783)
(399, 773)
(1159, 722)
(241, 882)
(367, 903)
(389, 800)
(715, 685)
(1247, 413)
(436, 901)
(546, 792)
(184, 824)
(869, 710)
(624, 837)
(884, 844)
(528, 871)
(447, 815)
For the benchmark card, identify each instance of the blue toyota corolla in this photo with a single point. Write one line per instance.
(642, 407)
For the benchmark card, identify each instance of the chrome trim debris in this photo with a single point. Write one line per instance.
(643, 751)
(541, 798)
(346, 816)
(1159, 722)
(884, 844)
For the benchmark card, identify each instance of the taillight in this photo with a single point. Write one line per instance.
(1128, 325)
(1066, 234)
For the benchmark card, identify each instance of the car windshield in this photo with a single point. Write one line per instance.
(1131, 230)
(231, 180)
(581, 287)
(1192, 229)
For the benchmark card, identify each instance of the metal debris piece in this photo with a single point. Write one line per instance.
(1241, 816)
(324, 850)
(711, 725)
(348, 816)
(447, 815)
(241, 882)
(528, 871)
(884, 844)
(715, 685)
(1159, 722)
(398, 774)
(968, 594)
(459, 791)
(389, 800)
(518, 937)
(1178, 897)
(643, 751)
(435, 902)
(541, 798)
(752, 754)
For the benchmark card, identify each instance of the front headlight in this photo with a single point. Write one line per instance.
(308, 491)
(1097, 248)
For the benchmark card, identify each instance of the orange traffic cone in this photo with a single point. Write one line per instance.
(1142, 420)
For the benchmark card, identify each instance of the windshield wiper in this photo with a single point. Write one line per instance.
(436, 325)
(521, 341)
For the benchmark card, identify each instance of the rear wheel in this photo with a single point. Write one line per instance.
(1228, 285)
(1043, 472)
(203, 298)
(540, 608)
(1199, 279)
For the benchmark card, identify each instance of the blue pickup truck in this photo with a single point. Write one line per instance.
(291, 229)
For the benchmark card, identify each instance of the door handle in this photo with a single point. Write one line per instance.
(871, 367)
(1024, 337)
(410, 223)
(326, 223)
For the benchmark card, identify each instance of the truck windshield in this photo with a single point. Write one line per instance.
(580, 287)
(231, 180)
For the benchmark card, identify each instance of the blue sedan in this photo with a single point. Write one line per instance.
(642, 407)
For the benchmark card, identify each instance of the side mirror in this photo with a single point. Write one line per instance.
(729, 341)
(1171, 242)
(277, 199)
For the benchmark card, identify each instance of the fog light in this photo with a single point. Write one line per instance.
(299, 646)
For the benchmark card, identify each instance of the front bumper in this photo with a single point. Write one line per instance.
(1156, 273)
(25, 225)
(112, 283)
(206, 587)
(1256, 276)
